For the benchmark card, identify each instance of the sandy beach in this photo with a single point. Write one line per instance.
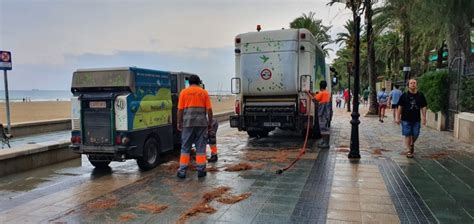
(47, 110)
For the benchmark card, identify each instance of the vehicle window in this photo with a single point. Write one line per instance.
(174, 84)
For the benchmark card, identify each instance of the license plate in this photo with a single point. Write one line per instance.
(271, 124)
(97, 104)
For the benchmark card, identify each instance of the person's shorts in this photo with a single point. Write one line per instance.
(394, 106)
(410, 128)
(382, 106)
(366, 98)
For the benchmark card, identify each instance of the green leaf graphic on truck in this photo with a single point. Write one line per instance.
(154, 110)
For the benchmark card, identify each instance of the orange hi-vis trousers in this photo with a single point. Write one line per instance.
(190, 136)
(213, 149)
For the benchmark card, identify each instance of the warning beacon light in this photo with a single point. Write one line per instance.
(259, 28)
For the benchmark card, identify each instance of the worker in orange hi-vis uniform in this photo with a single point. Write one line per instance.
(193, 106)
(323, 97)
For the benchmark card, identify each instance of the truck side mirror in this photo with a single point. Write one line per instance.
(305, 83)
(235, 85)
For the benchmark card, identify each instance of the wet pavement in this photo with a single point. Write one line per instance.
(16, 142)
(323, 187)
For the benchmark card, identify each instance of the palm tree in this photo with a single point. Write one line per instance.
(389, 51)
(348, 37)
(453, 18)
(315, 26)
(373, 109)
(397, 13)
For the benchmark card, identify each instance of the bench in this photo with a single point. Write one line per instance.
(5, 137)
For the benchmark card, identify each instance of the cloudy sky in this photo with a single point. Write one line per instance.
(49, 39)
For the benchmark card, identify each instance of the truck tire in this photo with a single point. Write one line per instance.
(263, 133)
(98, 164)
(257, 134)
(150, 158)
(252, 133)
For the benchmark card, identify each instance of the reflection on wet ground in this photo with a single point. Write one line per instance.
(27, 181)
(245, 165)
(384, 186)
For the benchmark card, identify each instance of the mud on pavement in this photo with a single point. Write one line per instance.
(243, 176)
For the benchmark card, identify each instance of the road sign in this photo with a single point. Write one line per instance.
(5, 60)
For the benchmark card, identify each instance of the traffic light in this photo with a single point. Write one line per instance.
(335, 79)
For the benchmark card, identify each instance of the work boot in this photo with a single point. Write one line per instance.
(202, 173)
(212, 159)
(324, 144)
(181, 175)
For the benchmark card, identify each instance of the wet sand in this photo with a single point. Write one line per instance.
(48, 110)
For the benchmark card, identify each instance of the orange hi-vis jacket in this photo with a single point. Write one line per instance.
(194, 101)
(323, 96)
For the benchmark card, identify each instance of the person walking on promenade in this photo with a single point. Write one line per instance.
(347, 97)
(323, 97)
(365, 95)
(212, 140)
(382, 98)
(393, 99)
(410, 105)
(193, 105)
(338, 100)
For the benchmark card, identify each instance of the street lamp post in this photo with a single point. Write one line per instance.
(354, 5)
(354, 152)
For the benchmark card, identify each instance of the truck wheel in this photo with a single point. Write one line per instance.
(258, 134)
(263, 133)
(252, 133)
(150, 157)
(98, 164)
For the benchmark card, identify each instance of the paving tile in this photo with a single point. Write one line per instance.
(270, 219)
(49, 211)
(276, 209)
(344, 205)
(340, 183)
(375, 192)
(283, 200)
(380, 186)
(379, 218)
(26, 219)
(238, 217)
(345, 197)
(354, 216)
(375, 199)
(345, 190)
(377, 208)
(332, 221)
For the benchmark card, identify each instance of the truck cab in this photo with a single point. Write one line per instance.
(125, 113)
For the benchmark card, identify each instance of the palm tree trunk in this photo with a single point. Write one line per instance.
(373, 109)
(396, 65)
(439, 60)
(426, 60)
(458, 39)
(406, 50)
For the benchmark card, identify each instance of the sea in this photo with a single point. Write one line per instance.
(58, 95)
(36, 95)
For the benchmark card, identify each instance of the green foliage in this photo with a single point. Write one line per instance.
(467, 94)
(434, 86)
(315, 26)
